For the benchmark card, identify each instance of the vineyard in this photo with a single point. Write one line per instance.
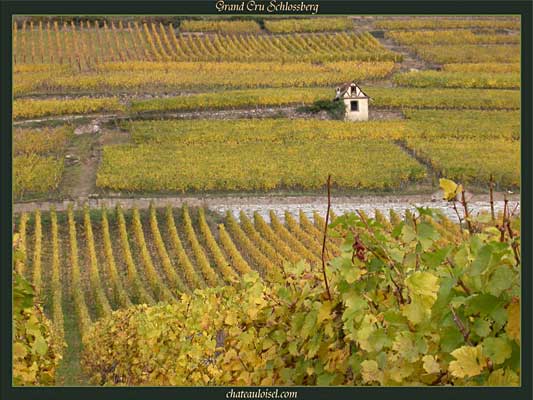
(162, 255)
(92, 45)
(268, 97)
(38, 159)
(167, 172)
(130, 77)
(122, 257)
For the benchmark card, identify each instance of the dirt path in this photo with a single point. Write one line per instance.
(290, 112)
(86, 182)
(82, 158)
(410, 60)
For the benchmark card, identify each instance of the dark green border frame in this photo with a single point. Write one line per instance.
(199, 7)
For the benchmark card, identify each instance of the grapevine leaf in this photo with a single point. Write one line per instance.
(40, 346)
(379, 339)
(19, 350)
(415, 311)
(394, 318)
(408, 234)
(403, 344)
(481, 263)
(325, 379)
(427, 231)
(397, 254)
(366, 329)
(451, 338)
(497, 349)
(450, 189)
(350, 272)
(354, 303)
(514, 362)
(430, 364)
(501, 377)
(435, 258)
(499, 314)
(481, 327)
(324, 311)
(513, 321)
(309, 324)
(314, 345)
(500, 280)
(370, 372)
(293, 348)
(423, 287)
(231, 319)
(469, 361)
(423, 284)
(400, 371)
(484, 304)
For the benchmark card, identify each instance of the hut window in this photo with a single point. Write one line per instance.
(354, 105)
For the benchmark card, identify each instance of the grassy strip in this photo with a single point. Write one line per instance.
(444, 23)
(448, 37)
(495, 68)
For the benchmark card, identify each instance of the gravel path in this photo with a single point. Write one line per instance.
(280, 204)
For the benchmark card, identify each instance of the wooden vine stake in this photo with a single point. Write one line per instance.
(325, 237)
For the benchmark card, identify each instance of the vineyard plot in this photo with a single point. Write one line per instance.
(115, 257)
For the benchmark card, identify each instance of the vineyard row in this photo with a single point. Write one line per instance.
(72, 256)
(89, 45)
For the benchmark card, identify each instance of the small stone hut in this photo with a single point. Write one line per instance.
(355, 101)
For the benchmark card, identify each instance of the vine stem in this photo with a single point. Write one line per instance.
(461, 326)
(325, 236)
(467, 215)
(491, 197)
(457, 212)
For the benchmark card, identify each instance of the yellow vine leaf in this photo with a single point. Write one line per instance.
(371, 372)
(513, 320)
(430, 364)
(450, 188)
(469, 361)
(502, 377)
